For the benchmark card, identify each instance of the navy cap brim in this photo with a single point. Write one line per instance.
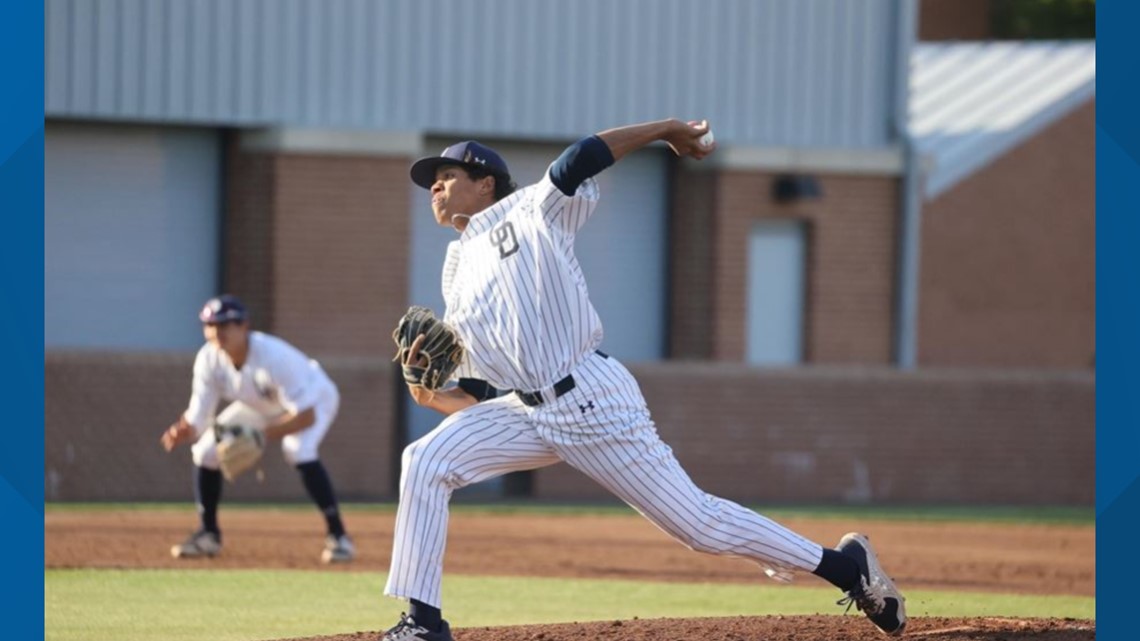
(224, 317)
(423, 171)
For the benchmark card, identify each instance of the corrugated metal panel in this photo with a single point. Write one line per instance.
(971, 102)
(119, 202)
(805, 73)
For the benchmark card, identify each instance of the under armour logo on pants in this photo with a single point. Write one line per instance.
(588, 406)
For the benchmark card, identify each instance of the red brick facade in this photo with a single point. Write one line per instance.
(318, 245)
(954, 20)
(1008, 276)
(850, 264)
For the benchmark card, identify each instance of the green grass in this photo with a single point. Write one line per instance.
(248, 605)
(1060, 515)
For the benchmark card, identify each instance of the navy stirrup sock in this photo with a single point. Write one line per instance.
(207, 496)
(319, 486)
(838, 569)
(428, 616)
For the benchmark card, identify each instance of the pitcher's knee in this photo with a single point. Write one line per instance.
(423, 464)
(704, 532)
(413, 459)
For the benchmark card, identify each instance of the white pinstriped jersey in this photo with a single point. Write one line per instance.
(515, 292)
(517, 296)
(275, 378)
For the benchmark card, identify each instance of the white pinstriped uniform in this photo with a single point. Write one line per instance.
(276, 378)
(516, 295)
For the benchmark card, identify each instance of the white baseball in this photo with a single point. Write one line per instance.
(706, 140)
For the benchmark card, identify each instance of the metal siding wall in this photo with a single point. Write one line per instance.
(55, 52)
(805, 73)
(130, 60)
(131, 217)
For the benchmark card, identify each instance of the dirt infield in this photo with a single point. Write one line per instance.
(1037, 559)
(775, 628)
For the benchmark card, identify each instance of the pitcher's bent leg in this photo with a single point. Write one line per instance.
(473, 445)
(642, 471)
(604, 429)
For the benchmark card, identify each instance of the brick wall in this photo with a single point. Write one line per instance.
(868, 435)
(812, 434)
(247, 231)
(954, 20)
(104, 413)
(1008, 274)
(691, 236)
(850, 264)
(851, 269)
(318, 245)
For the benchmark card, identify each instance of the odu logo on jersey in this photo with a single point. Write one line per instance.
(503, 237)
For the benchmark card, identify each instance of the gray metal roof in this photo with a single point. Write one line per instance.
(772, 73)
(972, 102)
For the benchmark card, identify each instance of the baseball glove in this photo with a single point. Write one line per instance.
(439, 355)
(239, 448)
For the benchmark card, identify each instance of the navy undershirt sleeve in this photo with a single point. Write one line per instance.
(478, 388)
(584, 159)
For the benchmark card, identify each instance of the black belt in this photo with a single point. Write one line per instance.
(534, 399)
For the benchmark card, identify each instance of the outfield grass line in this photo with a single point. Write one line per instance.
(1035, 515)
(248, 605)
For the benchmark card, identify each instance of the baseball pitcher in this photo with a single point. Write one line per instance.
(519, 312)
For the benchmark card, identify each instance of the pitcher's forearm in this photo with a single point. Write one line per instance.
(623, 140)
(446, 402)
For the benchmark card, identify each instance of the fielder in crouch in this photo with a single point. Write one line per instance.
(516, 296)
(271, 384)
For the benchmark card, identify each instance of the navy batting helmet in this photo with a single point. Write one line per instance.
(223, 309)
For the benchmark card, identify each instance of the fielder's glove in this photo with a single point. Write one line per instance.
(439, 355)
(239, 448)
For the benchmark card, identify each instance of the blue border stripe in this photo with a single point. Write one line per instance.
(21, 262)
(1118, 316)
(1118, 313)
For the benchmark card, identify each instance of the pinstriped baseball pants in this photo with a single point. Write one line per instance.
(601, 427)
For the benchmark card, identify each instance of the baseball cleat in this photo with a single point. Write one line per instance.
(338, 549)
(408, 630)
(876, 595)
(201, 543)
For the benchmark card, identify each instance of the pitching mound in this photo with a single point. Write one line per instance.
(774, 628)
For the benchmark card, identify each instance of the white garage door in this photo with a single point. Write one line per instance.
(131, 235)
(777, 250)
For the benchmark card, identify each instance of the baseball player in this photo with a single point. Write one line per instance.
(516, 296)
(277, 388)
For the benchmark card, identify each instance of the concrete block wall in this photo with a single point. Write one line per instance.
(817, 434)
(868, 435)
(104, 414)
